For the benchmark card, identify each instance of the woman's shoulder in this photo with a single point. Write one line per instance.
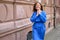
(44, 11)
(34, 12)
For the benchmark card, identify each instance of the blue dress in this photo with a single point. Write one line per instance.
(38, 27)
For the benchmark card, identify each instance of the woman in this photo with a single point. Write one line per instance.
(38, 19)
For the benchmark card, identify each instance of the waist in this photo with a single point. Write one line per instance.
(37, 24)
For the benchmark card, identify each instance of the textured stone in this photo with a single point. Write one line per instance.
(7, 13)
(47, 9)
(18, 36)
(21, 23)
(9, 37)
(4, 27)
(7, 0)
(20, 11)
(29, 10)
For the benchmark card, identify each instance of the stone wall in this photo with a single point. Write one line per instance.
(15, 19)
(57, 2)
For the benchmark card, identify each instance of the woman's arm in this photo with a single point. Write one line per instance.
(34, 18)
(43, 17)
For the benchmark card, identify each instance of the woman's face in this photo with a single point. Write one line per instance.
(38, 6)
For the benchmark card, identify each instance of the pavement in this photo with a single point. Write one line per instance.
(54, 34)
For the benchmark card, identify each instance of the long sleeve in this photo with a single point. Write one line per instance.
(34, 18)
(43, 17)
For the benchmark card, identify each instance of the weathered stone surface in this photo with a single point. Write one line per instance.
(9, 37)
(18, 35)
(57, 15)
(7, 0)
(21, 23)
(47, 9)
(4, 27)
(20, 11)
(57, 2)
(6, 12)
(29, 10)
(20, 0)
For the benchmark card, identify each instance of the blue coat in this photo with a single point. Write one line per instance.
(38, 27)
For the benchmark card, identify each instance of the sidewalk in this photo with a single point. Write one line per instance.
(54, 34)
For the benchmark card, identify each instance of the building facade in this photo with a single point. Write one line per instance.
(15, 17)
